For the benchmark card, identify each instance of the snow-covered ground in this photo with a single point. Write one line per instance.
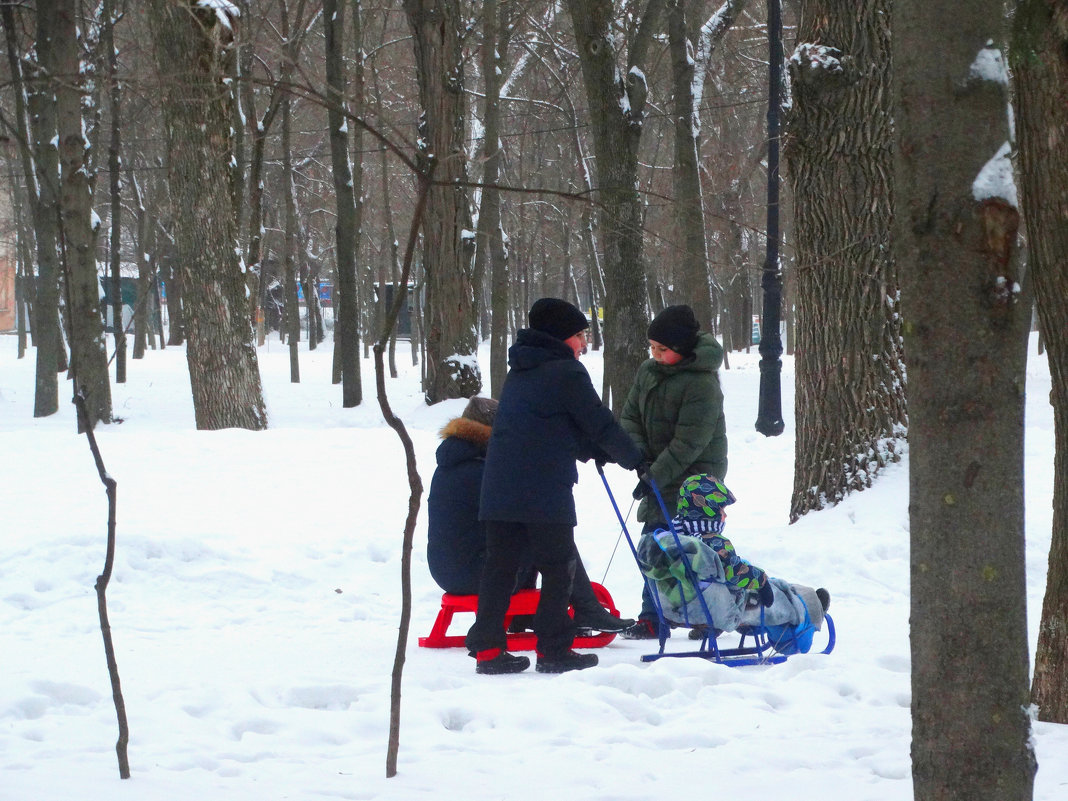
(256, 600)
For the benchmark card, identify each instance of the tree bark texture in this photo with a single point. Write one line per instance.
(452, 370)
(347, 230)
(965, 347)
(78, 228)
(45, 204)
(691, 251)
(107, 43)
(616, 106)
(1039, 56)
(491, 232)
(193, 50)
(849, 402)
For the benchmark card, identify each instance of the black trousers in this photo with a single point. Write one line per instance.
(551, 548)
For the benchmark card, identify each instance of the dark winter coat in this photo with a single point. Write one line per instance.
(550, 415)
(456, 544)
(675, 415)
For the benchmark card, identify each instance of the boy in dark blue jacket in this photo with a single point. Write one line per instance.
(549, 416)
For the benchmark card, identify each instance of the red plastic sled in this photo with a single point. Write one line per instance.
(524, 602)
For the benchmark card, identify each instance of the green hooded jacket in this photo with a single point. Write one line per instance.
(674, 413)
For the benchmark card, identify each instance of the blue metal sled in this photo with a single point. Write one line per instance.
(756, 645)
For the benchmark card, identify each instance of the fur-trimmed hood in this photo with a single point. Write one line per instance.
(463, 439)
(470, 430)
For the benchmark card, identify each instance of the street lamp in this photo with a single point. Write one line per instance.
(769, 413)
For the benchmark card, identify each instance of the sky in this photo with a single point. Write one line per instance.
(255, 607)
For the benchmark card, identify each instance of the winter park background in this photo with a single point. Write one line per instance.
(256, 599)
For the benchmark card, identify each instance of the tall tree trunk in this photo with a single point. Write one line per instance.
(965, 346)
(452, 370)
(143, 330)
(42, 182)
(690, 251)
(78, 229)
(107, 42)
(1039, 56)
(617, 107)
(850, 385)
(490, 226)
(347, 230)
(193, 48)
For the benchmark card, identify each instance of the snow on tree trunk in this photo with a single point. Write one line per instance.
(448, 241)
(965, 330)
(849, 403)
(193, 51)
(79, 224)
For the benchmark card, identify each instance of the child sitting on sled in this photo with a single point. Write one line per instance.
(733, 589)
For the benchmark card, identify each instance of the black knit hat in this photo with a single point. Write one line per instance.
(677, 328)
(557, 318)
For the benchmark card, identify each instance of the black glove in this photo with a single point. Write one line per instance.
(767, 596)
(644, 487)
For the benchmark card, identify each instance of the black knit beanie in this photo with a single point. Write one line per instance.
(557, 318)
(677, 328)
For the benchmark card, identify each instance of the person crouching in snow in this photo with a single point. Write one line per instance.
(733, 589)
(456, 542)
(549, 416)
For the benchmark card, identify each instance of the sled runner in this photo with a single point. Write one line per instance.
(524, 602)
(686, 582)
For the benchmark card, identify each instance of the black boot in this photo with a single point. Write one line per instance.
(601, 619)
(569, 660)
(825, 598)
(504, 662)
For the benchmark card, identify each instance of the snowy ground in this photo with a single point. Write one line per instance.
(255, 608)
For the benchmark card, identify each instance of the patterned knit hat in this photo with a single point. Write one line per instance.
(701, 501)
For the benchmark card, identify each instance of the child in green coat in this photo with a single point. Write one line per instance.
(674, 413)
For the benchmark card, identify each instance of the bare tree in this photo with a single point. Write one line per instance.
(193, 46)
(965, 347)
(78, 231)
(347, 230)
(36, 120)
(448, 322)
(616, 101)
(1039, 57)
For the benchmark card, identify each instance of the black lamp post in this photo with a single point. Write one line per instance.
(769, 414)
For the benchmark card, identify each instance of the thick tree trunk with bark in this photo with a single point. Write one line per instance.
(78, 227)
(193, 49)
(452, 370)
(1040, 70)
(965, 330)
(691, 252)
(616, 106)
(849, 404)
